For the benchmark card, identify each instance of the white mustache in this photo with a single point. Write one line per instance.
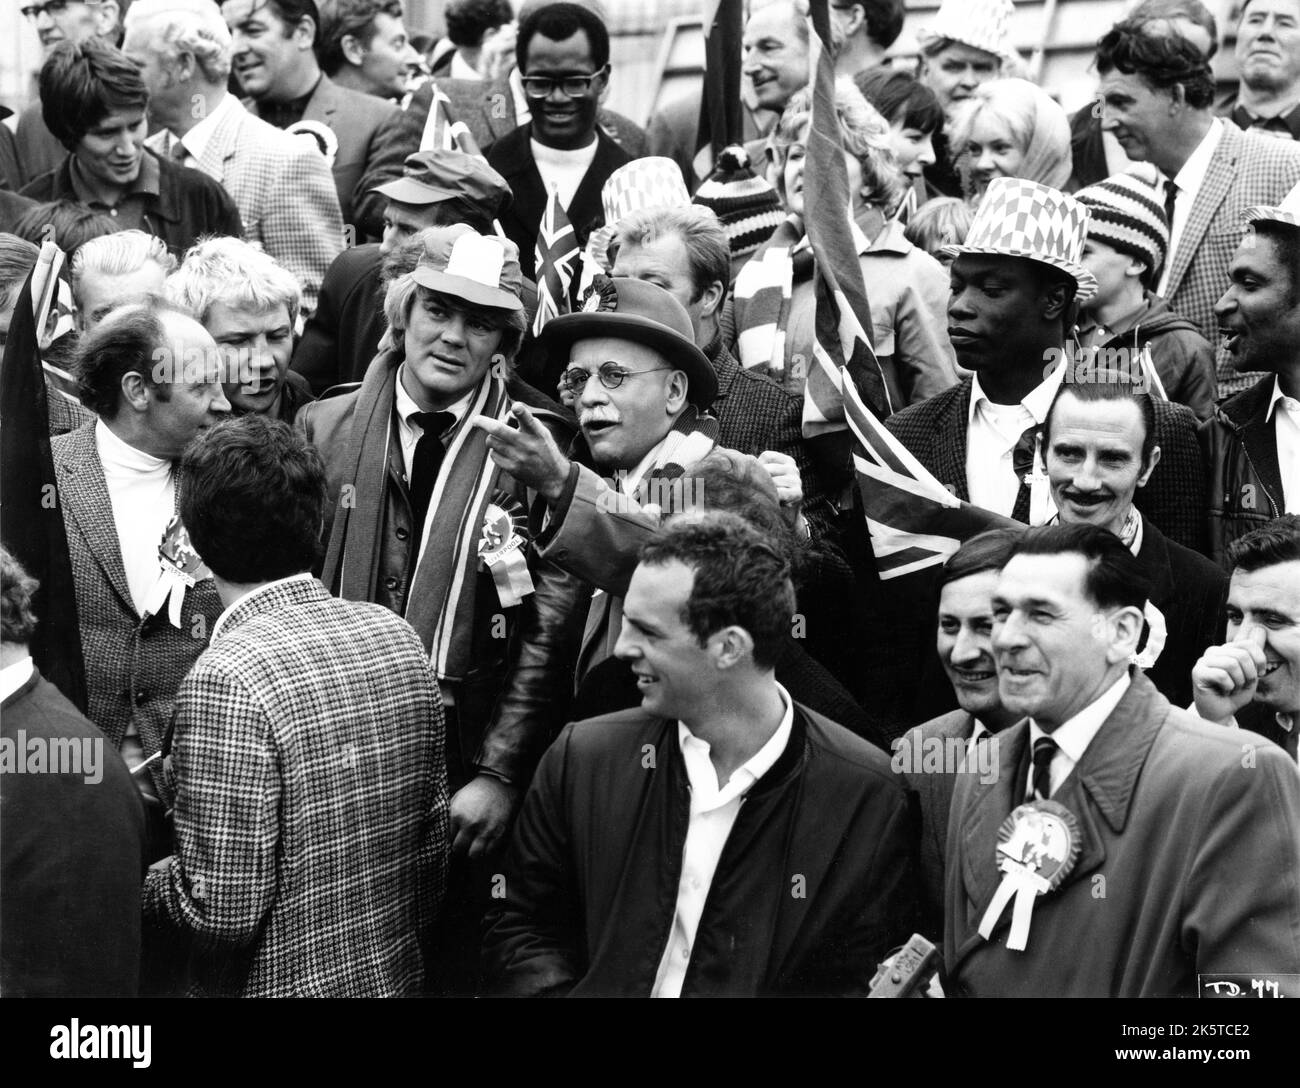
(588, 420)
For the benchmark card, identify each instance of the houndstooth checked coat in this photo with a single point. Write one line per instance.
(1246, 170)
(311, 802)
(283, 189)
(133, 667)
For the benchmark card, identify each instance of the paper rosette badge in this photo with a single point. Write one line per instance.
(1038, 845)
(501, 548)
(179, 568)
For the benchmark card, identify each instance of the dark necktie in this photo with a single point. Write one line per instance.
(425, 463)
(179, 153)
(1044, 749)
(1022, 464)
(1171, 196)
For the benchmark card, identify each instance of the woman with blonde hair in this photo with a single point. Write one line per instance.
(773, 305)
(1010, 128)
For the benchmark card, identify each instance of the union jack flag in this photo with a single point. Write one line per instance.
(915, 522)
(442, 132)
(557, 255)
(53, 312)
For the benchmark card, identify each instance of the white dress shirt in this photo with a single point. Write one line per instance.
(196, 140)
(714, 809)
(563, 170)
(409, 431)
(991, 436)
(14, 676)
(1287, 411)
(1073, 736)
(142, 491)
(1189, 181)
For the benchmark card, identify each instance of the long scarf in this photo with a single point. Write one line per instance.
(440, 604)
(762, 297)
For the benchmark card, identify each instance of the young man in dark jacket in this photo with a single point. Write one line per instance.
(721, 839)
(1124, 324)
(1252, 444)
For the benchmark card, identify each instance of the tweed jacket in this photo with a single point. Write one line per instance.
(487, 107)
(935, 432)
(932, 785)
(369, 132)
(1245, 476)
(188, 206)
(134, 666)
(311, 802)
(512, 158)
(1246, 169)
(71, 860)
(284, 192)
(65, 415)
(1190, 591)
(596, 858)
(755, 414)
(1189, 862)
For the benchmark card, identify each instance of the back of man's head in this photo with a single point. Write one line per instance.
(884, 20)
(1268, 546)
(69, 224)
(1179, 15)
(253, 500)
(1162, 57)
(17, 259)
(468, 20)
(184, 26)
(741, 579)
(17, 588)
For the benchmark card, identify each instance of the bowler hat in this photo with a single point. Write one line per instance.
(430, 177)
(634, 310)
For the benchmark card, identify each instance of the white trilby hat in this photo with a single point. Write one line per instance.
(982, 24)
(1288, 212)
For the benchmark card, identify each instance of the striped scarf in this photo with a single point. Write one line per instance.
(440, 604)
(762, 297)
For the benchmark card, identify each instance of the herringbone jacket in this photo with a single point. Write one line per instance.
(1246, 169)
(311, 801)
(133, 667)
(1174, 498)
(284, 191)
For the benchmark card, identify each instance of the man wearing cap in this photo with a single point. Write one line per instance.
(641, 389)
(426, 524)
(1014, 284)
(1157, 96)
(1124, 325)
(962, 48)
(1253, 441)
(282, 188)
(684, 251)
(563, 52)
(437, 188)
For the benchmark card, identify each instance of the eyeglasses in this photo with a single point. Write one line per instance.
(611, 376)
(52, 8)
(570, 86)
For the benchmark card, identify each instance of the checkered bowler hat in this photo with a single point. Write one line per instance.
(1287, 213)
(982, 24)
(748, 208)
(1126, 213)
(653, 182)
(1019, 218)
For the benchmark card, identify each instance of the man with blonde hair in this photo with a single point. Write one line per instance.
(283, 188)
(116, 270)
(249, 305)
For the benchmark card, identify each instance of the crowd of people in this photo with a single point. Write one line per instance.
(441, 634)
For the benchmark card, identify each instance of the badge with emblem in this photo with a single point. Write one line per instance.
(601, 296)
(1038, 845)
(501, 549)
(179, 569)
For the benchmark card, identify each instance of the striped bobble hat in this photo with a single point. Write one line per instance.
(1127, 214)
(746, 205)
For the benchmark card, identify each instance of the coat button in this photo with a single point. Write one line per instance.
(390, 583)
(141, 697)
(402, 532)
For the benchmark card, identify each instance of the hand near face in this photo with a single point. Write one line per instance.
(785, 475)
(1226, 677)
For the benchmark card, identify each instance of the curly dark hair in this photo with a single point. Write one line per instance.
(17, 588)
(742, 578)
(1161, 58)
(468, 20)
(252, 499)
(81, 83)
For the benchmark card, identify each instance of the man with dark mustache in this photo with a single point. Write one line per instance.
(1253, 441)
(1100, 448)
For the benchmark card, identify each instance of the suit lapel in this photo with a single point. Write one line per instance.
(324, 102)
(85, 491)
(221, 146)
(1218, 181)
(950, 441)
